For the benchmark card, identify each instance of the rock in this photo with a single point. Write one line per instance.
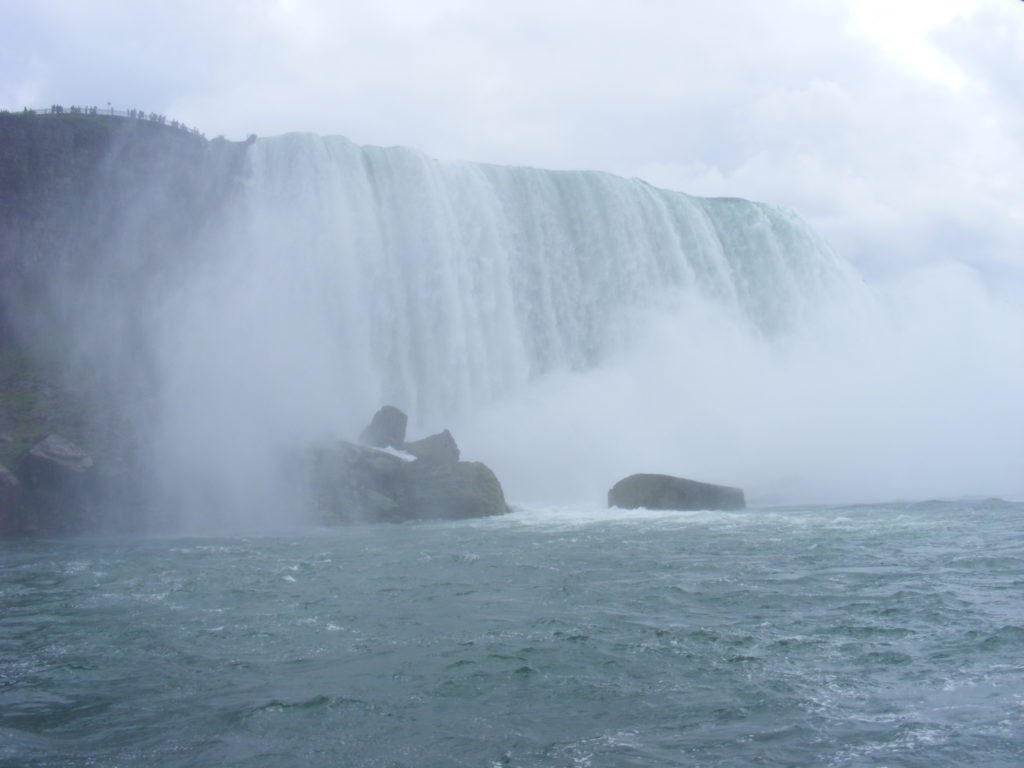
(386, 429)
(56, 451)
(58, 487)
(10, 503)
(434, 491)
(54, 462)
(439, 449)
(667, 492)
(354, 483)
(377, 506)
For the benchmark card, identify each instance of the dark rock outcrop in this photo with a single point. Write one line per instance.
(54, 459)
(668, 492)
(353, 483)
(58, 487)
(435, 449)
(96, 213)
(10, 503)
(386, 429)
(452, 491)
(70, 188)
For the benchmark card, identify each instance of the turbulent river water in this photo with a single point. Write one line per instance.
(842, 636)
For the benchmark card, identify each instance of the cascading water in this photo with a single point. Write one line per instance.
(494, 275)
(350, 277)
(569, 327)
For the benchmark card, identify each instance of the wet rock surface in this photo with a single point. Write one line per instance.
(386, 429)
(436, 449)
(668, 492)
(360, 483)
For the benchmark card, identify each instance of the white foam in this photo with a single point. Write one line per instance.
(403, 455)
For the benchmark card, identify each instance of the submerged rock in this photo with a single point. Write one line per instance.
(668, 492)
(439, 449)
(386, 429)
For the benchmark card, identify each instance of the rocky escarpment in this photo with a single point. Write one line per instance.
(668, 492)
(10, 503)
(53, 490)
(96, 214)
(420, 480)
(78, 190)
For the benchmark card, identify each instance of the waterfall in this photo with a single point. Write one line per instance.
(569, 327)
(444, 285)
(347, 277)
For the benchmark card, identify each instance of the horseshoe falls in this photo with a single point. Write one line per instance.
(571, 328)
(493, 276)
(233, 304)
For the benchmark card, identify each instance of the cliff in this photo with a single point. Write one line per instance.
(93, 209)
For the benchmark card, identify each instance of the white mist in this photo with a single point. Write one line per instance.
(571, 329)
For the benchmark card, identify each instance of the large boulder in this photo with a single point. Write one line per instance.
(10, 503)
(353, 483)
(58, 487)
(668, 492)
(55, 464)
(386, 429)
(452, 491)
(436, 449)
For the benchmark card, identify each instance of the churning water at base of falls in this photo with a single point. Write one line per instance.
(843, 636)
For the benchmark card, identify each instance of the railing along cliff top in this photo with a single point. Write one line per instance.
(131, 114)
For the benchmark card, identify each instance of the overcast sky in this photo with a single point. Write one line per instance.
(896, 127)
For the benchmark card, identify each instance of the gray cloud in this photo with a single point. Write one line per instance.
(777, 101)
